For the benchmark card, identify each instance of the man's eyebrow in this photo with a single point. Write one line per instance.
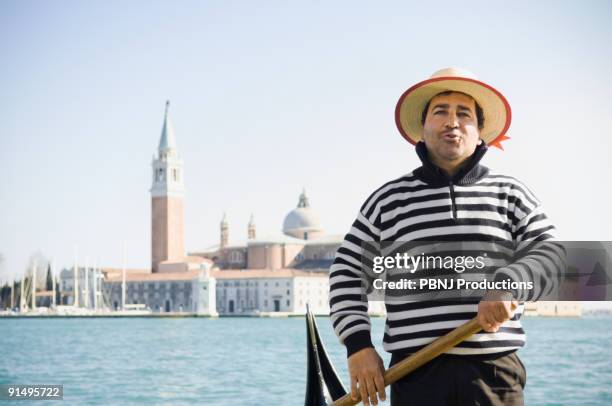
(462, 107)
(446, 106)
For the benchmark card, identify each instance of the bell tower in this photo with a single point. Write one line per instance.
(224, 232)
(167, 193)
(251, 228)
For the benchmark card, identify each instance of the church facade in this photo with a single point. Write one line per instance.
(273, 275)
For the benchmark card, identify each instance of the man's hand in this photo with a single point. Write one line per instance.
(494, 309)
(367, 369)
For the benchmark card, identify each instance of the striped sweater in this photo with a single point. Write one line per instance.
(426, 205)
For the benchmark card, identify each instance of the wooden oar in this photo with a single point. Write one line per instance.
(420, 357)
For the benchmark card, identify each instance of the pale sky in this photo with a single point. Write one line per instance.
(268, 97)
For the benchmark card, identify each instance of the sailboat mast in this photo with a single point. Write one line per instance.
(34, 285)
(75, 303)
(54, 300)
(22, 294)
(86, 300)
(95, 285)
(123, 281)
(13, 295)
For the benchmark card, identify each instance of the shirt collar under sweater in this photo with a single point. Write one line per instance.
(470, 173)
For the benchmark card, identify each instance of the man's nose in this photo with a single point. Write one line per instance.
(452, 121)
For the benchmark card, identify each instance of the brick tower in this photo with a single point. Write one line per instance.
(167, 199)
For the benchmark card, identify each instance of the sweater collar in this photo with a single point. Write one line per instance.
(471, 172)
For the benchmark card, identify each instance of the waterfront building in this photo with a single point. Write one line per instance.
(270, 292)
(271, 275)
(276, 275)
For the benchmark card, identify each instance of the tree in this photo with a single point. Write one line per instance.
(18, 293)
(5, 296)
(2, 261)
(58, 296)
(49, 283)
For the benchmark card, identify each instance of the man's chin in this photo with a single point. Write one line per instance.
(453, 153)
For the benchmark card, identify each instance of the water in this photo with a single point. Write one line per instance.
(251, 361)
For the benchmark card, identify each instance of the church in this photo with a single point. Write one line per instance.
(256, 276)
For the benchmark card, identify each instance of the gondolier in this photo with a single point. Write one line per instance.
(451, 118)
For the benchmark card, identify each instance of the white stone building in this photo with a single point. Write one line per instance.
(265, 292)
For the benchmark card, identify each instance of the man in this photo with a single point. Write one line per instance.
(451, 117)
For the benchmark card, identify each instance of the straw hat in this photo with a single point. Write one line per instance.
(497, 113)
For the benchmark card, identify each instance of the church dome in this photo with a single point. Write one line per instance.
(302, 222)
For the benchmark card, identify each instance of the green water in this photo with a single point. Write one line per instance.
(249, 361)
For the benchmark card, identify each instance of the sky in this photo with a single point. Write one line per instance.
(269, 97)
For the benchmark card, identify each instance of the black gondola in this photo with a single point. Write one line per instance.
(323, 386)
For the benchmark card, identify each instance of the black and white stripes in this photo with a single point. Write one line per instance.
(413, 207)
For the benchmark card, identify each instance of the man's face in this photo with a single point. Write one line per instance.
(451, 129)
